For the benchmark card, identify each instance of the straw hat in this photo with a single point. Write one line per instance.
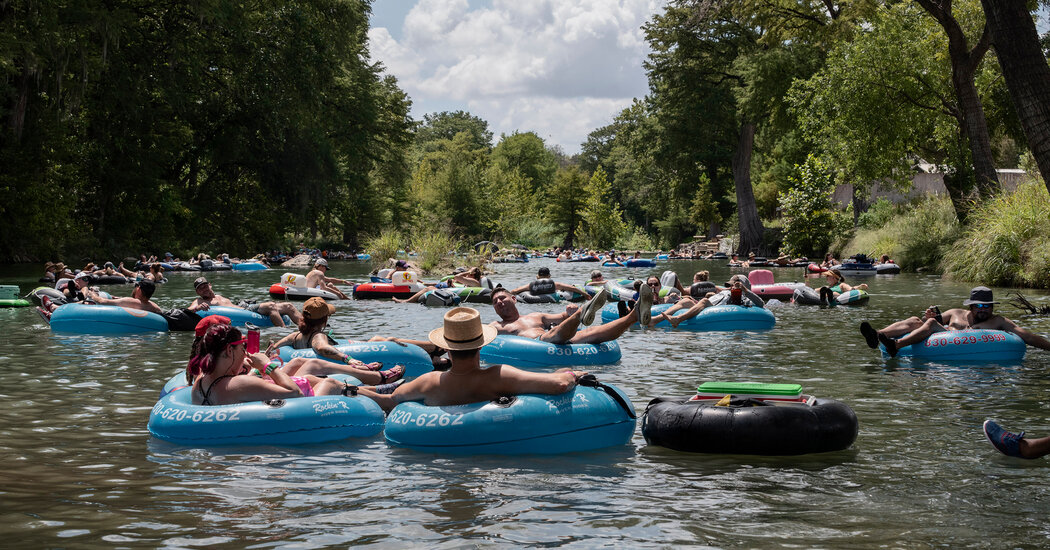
(462, 330)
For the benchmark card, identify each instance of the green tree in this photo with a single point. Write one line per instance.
(703, 211)
(526, 153)
(811, 221)
(602, 219)
(882, 101)
(566, 200)
(446, 124)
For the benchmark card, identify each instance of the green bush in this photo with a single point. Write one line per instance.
(1007, 241)
(916, 237)
(384, 246)
(877, 214)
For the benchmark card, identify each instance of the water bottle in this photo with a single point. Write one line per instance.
(253, 338)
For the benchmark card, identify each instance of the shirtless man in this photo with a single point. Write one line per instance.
(564, 328)
(317, 279)
(140, 298)
(979, 315)
(206, 297)
(466, 382)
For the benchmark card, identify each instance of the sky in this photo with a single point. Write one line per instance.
(559, 68)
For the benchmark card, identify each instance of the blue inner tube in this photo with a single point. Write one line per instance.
(819, 426)
(94, 319)
(531, 353)
(276, 422)
(414, 358)
(250, 266)
(583, 419)
(239, 317)
(640, 262)
(972, 345)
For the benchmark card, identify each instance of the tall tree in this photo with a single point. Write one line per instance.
(601, 217)
(565, 203)
(1026, 71)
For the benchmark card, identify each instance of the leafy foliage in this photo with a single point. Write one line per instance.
(811, 221)
(601, 217)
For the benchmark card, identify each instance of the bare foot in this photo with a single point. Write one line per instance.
(399, 300)
(675, 321)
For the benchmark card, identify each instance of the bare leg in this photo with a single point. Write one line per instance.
(565, 331)
(316, 367)
(606, 332)
(413, 298)
(1035, 448)
(920, 334)
(902, 327)
(693, 312)
(684, 303)
(269, 309)
(289, 309)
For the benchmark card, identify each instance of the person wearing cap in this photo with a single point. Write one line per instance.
(72, 291)
(836, 285)
(318, 278)
(596, 278)
(564, 328)
(206, 297)
(978, 314)
(463, 334)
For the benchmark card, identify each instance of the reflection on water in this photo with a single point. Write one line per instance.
(81, 470)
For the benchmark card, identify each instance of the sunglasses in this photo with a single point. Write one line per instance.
(241, 342)
(981, 306)
(653, 284)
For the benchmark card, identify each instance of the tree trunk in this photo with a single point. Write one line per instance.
(971, 112)
(1026, 72)
(975, 126)
(750, 225)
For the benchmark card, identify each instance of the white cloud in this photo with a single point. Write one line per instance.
(559, 68)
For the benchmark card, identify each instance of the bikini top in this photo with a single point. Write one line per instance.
(206, 393)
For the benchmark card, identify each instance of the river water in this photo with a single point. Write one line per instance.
(82, 471)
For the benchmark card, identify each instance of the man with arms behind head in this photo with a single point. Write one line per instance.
(466, 382)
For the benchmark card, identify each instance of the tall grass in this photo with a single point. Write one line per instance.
(384, 246)
(1007, 241)
(433, 250)
(916, 238)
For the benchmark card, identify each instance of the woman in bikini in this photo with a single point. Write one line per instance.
(220, 364)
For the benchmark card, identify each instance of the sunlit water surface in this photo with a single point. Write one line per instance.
(81, 470)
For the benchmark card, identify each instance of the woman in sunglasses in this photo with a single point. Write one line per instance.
(978, 314)
(220, 365)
